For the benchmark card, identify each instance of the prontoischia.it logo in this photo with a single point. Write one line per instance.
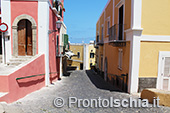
(105, 103)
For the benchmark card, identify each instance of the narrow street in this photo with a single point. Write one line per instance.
(80, 84)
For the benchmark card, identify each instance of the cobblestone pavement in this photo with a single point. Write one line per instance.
(80, 84)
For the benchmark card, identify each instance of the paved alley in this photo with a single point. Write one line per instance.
(80, 84)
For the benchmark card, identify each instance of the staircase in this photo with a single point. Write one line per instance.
(14, 64)
(71, 69)
(15, 61)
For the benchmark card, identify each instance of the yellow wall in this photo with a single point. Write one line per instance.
(149, 57)
(156, 17)
(101, 22)
(91, 60)
(112, 52)
(75, 49)
(108, 13)
(112, 58)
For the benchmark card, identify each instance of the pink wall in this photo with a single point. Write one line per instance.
(4, 83)
(26, 7)
(54, 62)
(20, 88)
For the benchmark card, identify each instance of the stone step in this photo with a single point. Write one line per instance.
(71, 68)
(15, 61)
(22, 57)
(70, 72)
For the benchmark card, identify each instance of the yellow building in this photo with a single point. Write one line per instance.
(77, 60)
(83, 56)
(133, 44)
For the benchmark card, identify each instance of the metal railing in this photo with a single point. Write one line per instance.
(116, 32)
(99, 41)
(120, 81)
(34, 76)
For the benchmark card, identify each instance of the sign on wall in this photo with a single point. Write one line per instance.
(3, 27)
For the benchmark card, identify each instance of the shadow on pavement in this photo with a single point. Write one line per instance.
(99, 82)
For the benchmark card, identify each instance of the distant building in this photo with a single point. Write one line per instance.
(84, 56)
(77, 59)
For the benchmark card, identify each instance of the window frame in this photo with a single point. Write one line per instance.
(108, 26)
(120, 59)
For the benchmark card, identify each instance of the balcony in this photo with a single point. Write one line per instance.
(116, 35)
(99, 42)
(58, 8)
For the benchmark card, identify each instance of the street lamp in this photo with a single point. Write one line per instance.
(58, 23)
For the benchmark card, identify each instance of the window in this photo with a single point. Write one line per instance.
(108, 26)
(78, 54)
(120, 59)
(102, 33)
(91, 54)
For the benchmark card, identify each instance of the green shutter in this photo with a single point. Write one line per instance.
(57, 43)
(65, 39)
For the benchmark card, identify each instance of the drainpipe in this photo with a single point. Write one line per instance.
(47, 76)
(61, 73)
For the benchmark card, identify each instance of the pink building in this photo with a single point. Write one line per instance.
(30, 53)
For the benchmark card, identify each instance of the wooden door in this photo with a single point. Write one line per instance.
(24, 38)
(29, 38)
(21, 37)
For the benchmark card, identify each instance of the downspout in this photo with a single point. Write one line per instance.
(47, 75)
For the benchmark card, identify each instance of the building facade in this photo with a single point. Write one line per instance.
(133, 39)
(84, 56)
(30, 59)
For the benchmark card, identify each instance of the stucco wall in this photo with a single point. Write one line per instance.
(75, 49)
(91, 60)
(25, 6)
(53, 60)
(20, 88)
(155, 17)
(149, 56)
(112, 59)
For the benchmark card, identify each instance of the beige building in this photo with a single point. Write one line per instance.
(76, 60)
(83, 57)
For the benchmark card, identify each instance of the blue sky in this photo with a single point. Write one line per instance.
(81, 17)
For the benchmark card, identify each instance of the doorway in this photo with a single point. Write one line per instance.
(163, 81)
(121, 13)
(81, 66)
(105, 69)
(24, 38)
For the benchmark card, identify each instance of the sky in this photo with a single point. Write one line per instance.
(81, 17)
